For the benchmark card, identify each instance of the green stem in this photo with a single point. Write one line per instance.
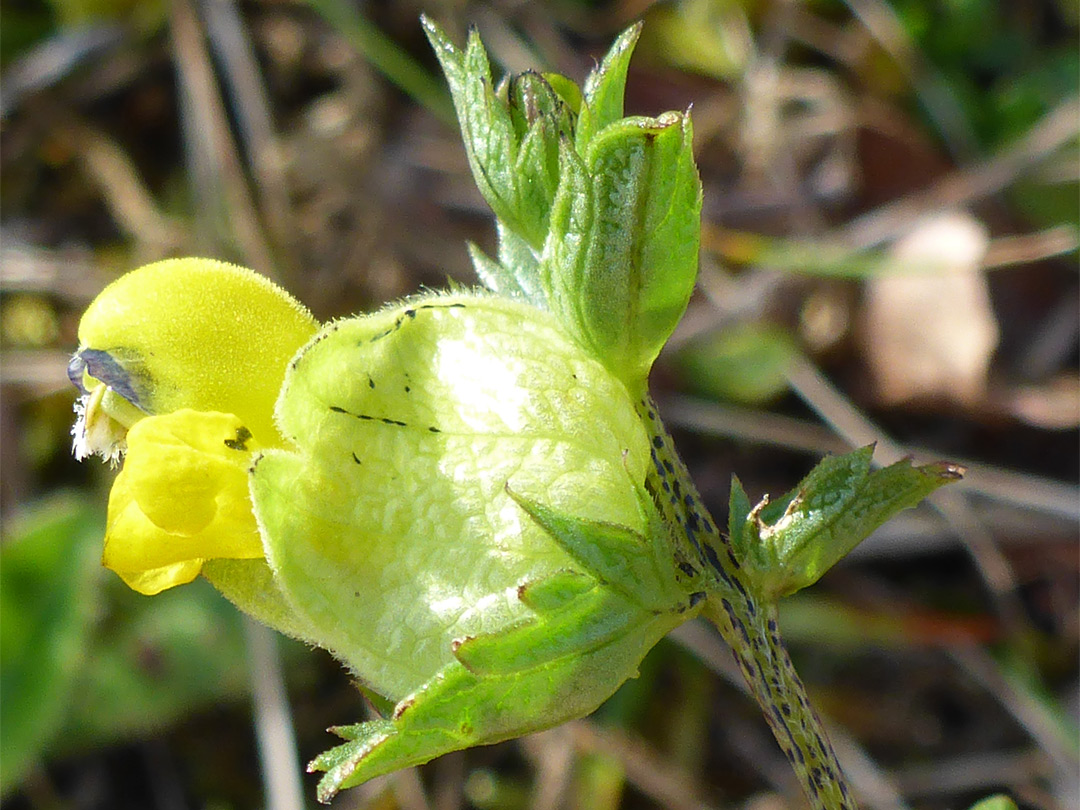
(748, 624)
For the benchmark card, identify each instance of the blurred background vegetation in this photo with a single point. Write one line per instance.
(889, 254)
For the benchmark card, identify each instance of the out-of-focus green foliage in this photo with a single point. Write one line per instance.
(82, 659)
(48, 578)
(1002, 77)
(710, 37)
(385, 55)
(143, 15)
(999, 802)
(746, 364)
(1020, 670)
(152, 667)
(600, 780)
(23, 26)
(1046, 202)
(994, 63)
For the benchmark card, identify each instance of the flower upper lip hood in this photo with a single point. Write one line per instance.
(193, 333)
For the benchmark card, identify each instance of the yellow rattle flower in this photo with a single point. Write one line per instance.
(180, 363)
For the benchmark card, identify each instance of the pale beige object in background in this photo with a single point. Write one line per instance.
(928, 327)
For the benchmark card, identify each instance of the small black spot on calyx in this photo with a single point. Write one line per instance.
(240, 442)
(364, 417)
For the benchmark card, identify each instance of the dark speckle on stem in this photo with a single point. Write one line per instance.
(747, 624)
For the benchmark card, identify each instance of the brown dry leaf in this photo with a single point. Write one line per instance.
(928, 328)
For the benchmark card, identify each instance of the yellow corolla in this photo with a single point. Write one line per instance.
(180, 363)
